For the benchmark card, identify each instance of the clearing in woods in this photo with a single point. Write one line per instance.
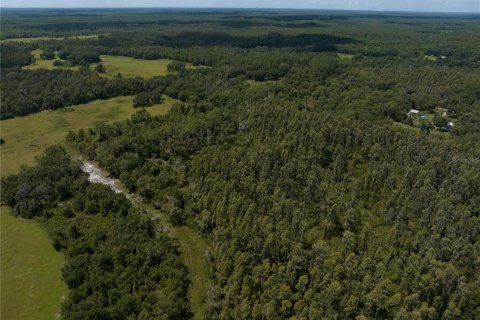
(32, 285)
(41, 63)
(130, 67)
(126, 66)
(88, 36)
(193, 248)
(27, 137)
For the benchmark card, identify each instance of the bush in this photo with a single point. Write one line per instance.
(175, 66)
(100, 68)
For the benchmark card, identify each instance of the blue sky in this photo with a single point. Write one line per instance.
(383, 5)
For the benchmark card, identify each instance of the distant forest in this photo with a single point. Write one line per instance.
(331, 159)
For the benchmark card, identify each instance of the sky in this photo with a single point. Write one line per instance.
(472, 6)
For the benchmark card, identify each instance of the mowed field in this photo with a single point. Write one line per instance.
(26, 137)
(32, 286)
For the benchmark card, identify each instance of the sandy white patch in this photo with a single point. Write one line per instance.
(95, 175)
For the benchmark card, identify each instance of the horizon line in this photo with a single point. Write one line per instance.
(250, 8)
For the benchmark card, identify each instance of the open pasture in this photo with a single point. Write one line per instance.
(41, 63)
(32, 285)
(126, 66)
(26, 137)
(130, 67)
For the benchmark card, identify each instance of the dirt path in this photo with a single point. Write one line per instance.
(192, 246)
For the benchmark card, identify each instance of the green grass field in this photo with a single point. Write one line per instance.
(41, 63)
(130, 67)
(88, 36)
(31, 281)
(26, 137)
(345, 56)
(126, 66)
(194, 248)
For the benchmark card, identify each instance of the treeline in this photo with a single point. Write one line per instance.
(257, 64)
(364, 88)
(25, 92)
(367, 85)
(455, 37)
(117, 266)
(310, 42)
(79, 55)
(311, 215)
(15, 55)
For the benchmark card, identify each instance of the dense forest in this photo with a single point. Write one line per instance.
(328, 221)
(32, 91)
(330, 159)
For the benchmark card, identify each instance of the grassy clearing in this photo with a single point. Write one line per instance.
(41, 63)
(126, 66)
(194, 248)
(130, 67)
(416, 128)
(31, 281)
(431, 58)
(345, 56)
(88, 36)
(26, 137)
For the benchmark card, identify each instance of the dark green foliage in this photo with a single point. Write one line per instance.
(56, 178)
(321, 222)
(48, 55)
(100, 68)
(79, 55)
(15, 55)
(147, 98)
(175, 66)
(116, 267)
(310, 215)
(58, 63)
(310, 42)
(24, 92)
(440, 121)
